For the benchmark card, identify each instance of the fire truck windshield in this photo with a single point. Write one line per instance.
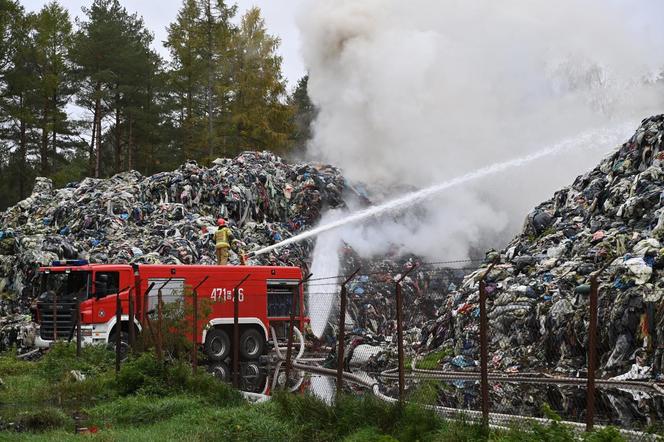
(68, 285)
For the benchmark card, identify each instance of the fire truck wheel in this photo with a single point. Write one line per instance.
(252, 344)
(221, 371)
(124, 344)
(217, 345)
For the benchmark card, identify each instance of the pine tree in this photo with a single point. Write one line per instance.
(200, 46)
(259, 115)
(18, 99)
(304, 114)
(52, 39)
(112, 52)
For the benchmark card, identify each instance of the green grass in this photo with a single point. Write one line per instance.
(150, 401)
(432, 361)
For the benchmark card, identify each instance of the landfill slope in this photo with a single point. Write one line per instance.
(169, 217)
(538, 293)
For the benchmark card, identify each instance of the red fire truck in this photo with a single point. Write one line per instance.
(265, 299)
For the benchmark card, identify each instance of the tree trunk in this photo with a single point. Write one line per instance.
(98, 122)
(43, 151)
(118, 147)
(23, 149)
(130, 144)
(91, 163)
(55, 128)
(209, 82)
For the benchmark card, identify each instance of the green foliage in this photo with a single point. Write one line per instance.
(141, 374)
(259, 115)
(350, 413)
(145, 375)
(141, 410)
(61, 359)
(304, 114)
(426, 393)
(369, 434)
(608, 434)
(41, 419)
(432, 361)
(10, 365)
(152, 401)
(221, 92)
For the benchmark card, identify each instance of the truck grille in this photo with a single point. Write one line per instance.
(65, 313)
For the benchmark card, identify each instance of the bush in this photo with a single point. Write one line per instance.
(10, 366)
(608, 434)
(142, 373)
(142, 410)
(90, 390)
(146, 376)
(61, 359)
(350, 413)
(42, 419)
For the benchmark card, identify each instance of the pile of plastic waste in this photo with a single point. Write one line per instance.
(167, 218)
(538, 292)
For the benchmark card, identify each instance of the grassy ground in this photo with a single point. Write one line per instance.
(39, 401)
(431, 361)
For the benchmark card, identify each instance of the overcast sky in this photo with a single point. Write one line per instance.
(157, 14)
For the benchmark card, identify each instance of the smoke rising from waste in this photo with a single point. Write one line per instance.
(414, 93)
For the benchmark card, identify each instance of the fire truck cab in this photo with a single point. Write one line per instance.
(265, 298)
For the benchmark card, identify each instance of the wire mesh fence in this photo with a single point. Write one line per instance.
(393, 331)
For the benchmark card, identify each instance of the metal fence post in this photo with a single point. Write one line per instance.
(160, 304)
(400, 353)
(132, 330)
(592, 347)
(118, 331)
(159, 324)
(342, 332)
(294, 303)
(236, 332)
(78, 328)
(143, 313)
(484, 348)
(55, 316)
(194, 331)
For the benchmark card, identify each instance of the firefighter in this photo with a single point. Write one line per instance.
(224, 240)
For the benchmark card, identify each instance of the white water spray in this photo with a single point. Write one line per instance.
(593, 138)
(325, 262)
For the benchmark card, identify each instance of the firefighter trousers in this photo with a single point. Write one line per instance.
(222, 256)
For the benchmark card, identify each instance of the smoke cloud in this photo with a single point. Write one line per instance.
(414, 93)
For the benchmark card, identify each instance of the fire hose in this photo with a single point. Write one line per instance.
(498, 421)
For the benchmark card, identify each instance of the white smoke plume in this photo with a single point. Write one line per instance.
(412, 93)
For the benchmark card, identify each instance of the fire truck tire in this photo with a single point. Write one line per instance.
(217, 345)
(221, 371)
(124, 344)
(252, 344)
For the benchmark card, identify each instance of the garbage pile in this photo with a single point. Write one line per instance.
(169, 217)
(371, 320)
(538, 292)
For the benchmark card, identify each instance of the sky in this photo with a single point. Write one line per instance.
(279, 16)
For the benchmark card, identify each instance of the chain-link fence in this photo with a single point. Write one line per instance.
(399, 333)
